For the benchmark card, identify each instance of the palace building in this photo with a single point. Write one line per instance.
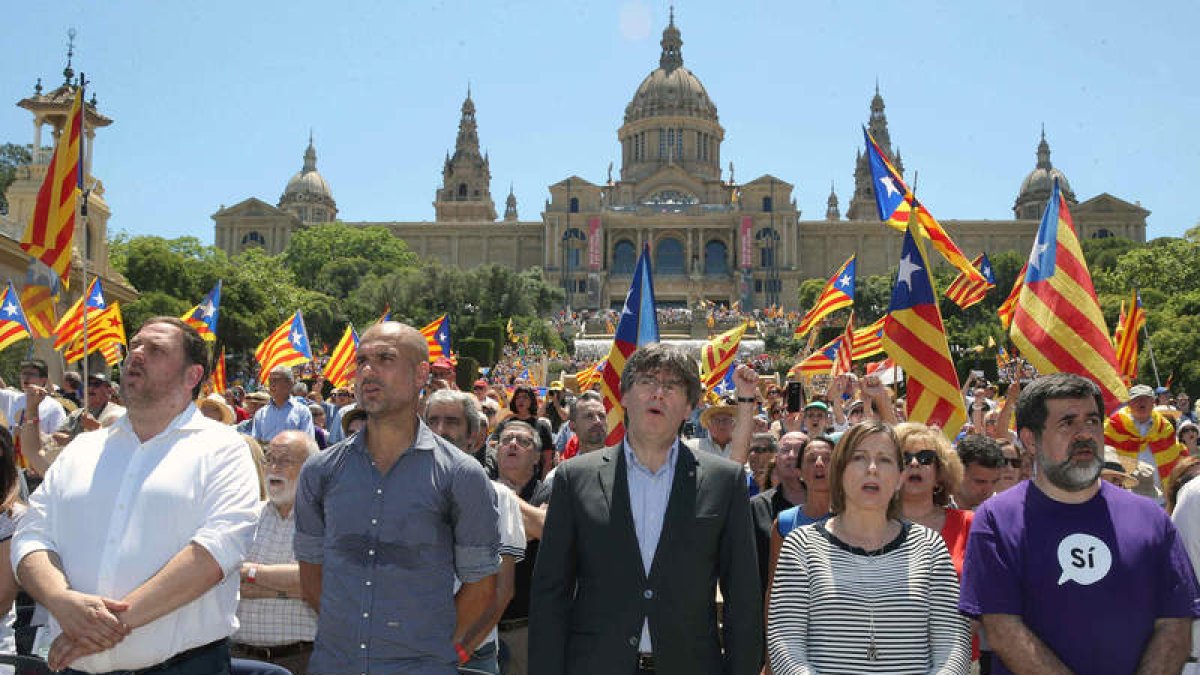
(711, 238)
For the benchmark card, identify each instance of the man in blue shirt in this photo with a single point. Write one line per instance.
(283, 412)
(384, 522)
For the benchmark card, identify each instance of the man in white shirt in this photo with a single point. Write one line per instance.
(50, 414)
(134, 540)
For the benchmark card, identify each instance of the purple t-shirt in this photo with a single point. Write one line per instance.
(1088, 579)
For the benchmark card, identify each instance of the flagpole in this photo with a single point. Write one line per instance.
(81, 216)
(1150, 350)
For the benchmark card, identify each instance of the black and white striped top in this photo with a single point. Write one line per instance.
(827, 595)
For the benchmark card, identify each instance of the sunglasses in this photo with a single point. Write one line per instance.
(923, 457)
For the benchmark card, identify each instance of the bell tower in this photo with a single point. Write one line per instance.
(466, 194)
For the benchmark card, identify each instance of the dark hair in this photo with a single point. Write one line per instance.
(767, 439)
(807, 444)
(844, 450)
(588, 395)
(1031, 405)
(657, 356)
(981, 450)
(37, 364)
(523, 389)
(514, 422)
(195, 350)
(351, 416)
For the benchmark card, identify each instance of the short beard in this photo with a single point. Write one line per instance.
(1068, 475)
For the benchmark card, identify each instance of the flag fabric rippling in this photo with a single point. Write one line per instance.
(638, 325)
(342, 364)
(837, 294)
(287, 345)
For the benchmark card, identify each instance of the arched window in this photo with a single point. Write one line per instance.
(1102, 233)
(716, 258)
(768, 240)
(574, 241)
(623, 257)
(253, 238)
(668, 258)
(462, 190)
(574, 205)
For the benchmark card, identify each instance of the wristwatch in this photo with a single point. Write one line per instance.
(252, 574)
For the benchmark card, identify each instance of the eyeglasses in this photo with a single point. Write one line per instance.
(650, 382)
(280, 461)
(759, 449)
(923, 457)
(523, 441)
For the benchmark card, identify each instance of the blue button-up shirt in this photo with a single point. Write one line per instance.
(649, 492)
(272, 419)
(390, 546)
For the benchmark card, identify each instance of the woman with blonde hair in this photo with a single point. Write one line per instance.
(865, 591)
(932, 473)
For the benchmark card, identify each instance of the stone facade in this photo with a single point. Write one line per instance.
(711, 238)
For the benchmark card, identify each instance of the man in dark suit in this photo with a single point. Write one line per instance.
(637, 537)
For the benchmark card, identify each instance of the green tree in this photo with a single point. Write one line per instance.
(312, 250)
(12, 157)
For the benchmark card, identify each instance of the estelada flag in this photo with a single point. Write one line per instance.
(915, 338)
(638, 325)
(965, 291)
(203, 317)
(71, 324)
(287, 345)
(13, 324)
(437, 336)
(838, 293)
(1057, 325)
(104, 328)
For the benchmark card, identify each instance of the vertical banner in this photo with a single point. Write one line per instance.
(594, 251)
(747, 244)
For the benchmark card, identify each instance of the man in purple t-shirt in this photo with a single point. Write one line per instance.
(1069, 573)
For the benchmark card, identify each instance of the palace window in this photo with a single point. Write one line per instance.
(574, 204)
(623, 257)
(716, 258)
(668, 258)
(253, 238)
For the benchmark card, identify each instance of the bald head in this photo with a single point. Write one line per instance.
(405, 338)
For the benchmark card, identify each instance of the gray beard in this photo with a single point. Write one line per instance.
(1069, 475)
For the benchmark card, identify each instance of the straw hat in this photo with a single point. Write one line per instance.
(712, 411)
(216, 402)
(1116, 465)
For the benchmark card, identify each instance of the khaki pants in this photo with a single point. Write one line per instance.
(516, 643)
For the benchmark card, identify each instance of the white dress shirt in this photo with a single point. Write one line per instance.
(116, 510)
(50, 412)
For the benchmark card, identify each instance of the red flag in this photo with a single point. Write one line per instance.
(218, 373)
(1127, 337)
(340, 368)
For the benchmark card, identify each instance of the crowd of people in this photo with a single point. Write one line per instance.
(401, 525)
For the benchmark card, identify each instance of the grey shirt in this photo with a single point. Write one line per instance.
(390, 546)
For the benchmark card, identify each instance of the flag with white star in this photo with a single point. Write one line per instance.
(287, 345)
(1057, 325)
(915, 338)
(965, 291)
(72, 324)
(13, 324)
(203, 317)
(437, 336)
(837, 294)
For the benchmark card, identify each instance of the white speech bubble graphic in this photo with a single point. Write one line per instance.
(1083, 559)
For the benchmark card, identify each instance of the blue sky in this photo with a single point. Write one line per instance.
(214, 101)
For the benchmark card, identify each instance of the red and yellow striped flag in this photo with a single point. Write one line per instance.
(868, 340)
(838, 293)
(340, 368)
(104, 327)
(50, 233)
(965, 291)
(843, 361)
(1058, 326)
(717, 355)
(1126, 342)
(38, 302)
(1010, 303)
(217, 380)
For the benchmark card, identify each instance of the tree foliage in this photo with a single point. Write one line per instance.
(12, 157)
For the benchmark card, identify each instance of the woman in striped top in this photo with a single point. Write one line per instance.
(864, 592)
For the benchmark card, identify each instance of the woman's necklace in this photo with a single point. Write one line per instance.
(870, 554)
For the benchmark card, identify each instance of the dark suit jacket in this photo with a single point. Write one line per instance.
(590, 593)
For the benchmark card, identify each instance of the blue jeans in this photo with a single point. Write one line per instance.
(484, 659)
